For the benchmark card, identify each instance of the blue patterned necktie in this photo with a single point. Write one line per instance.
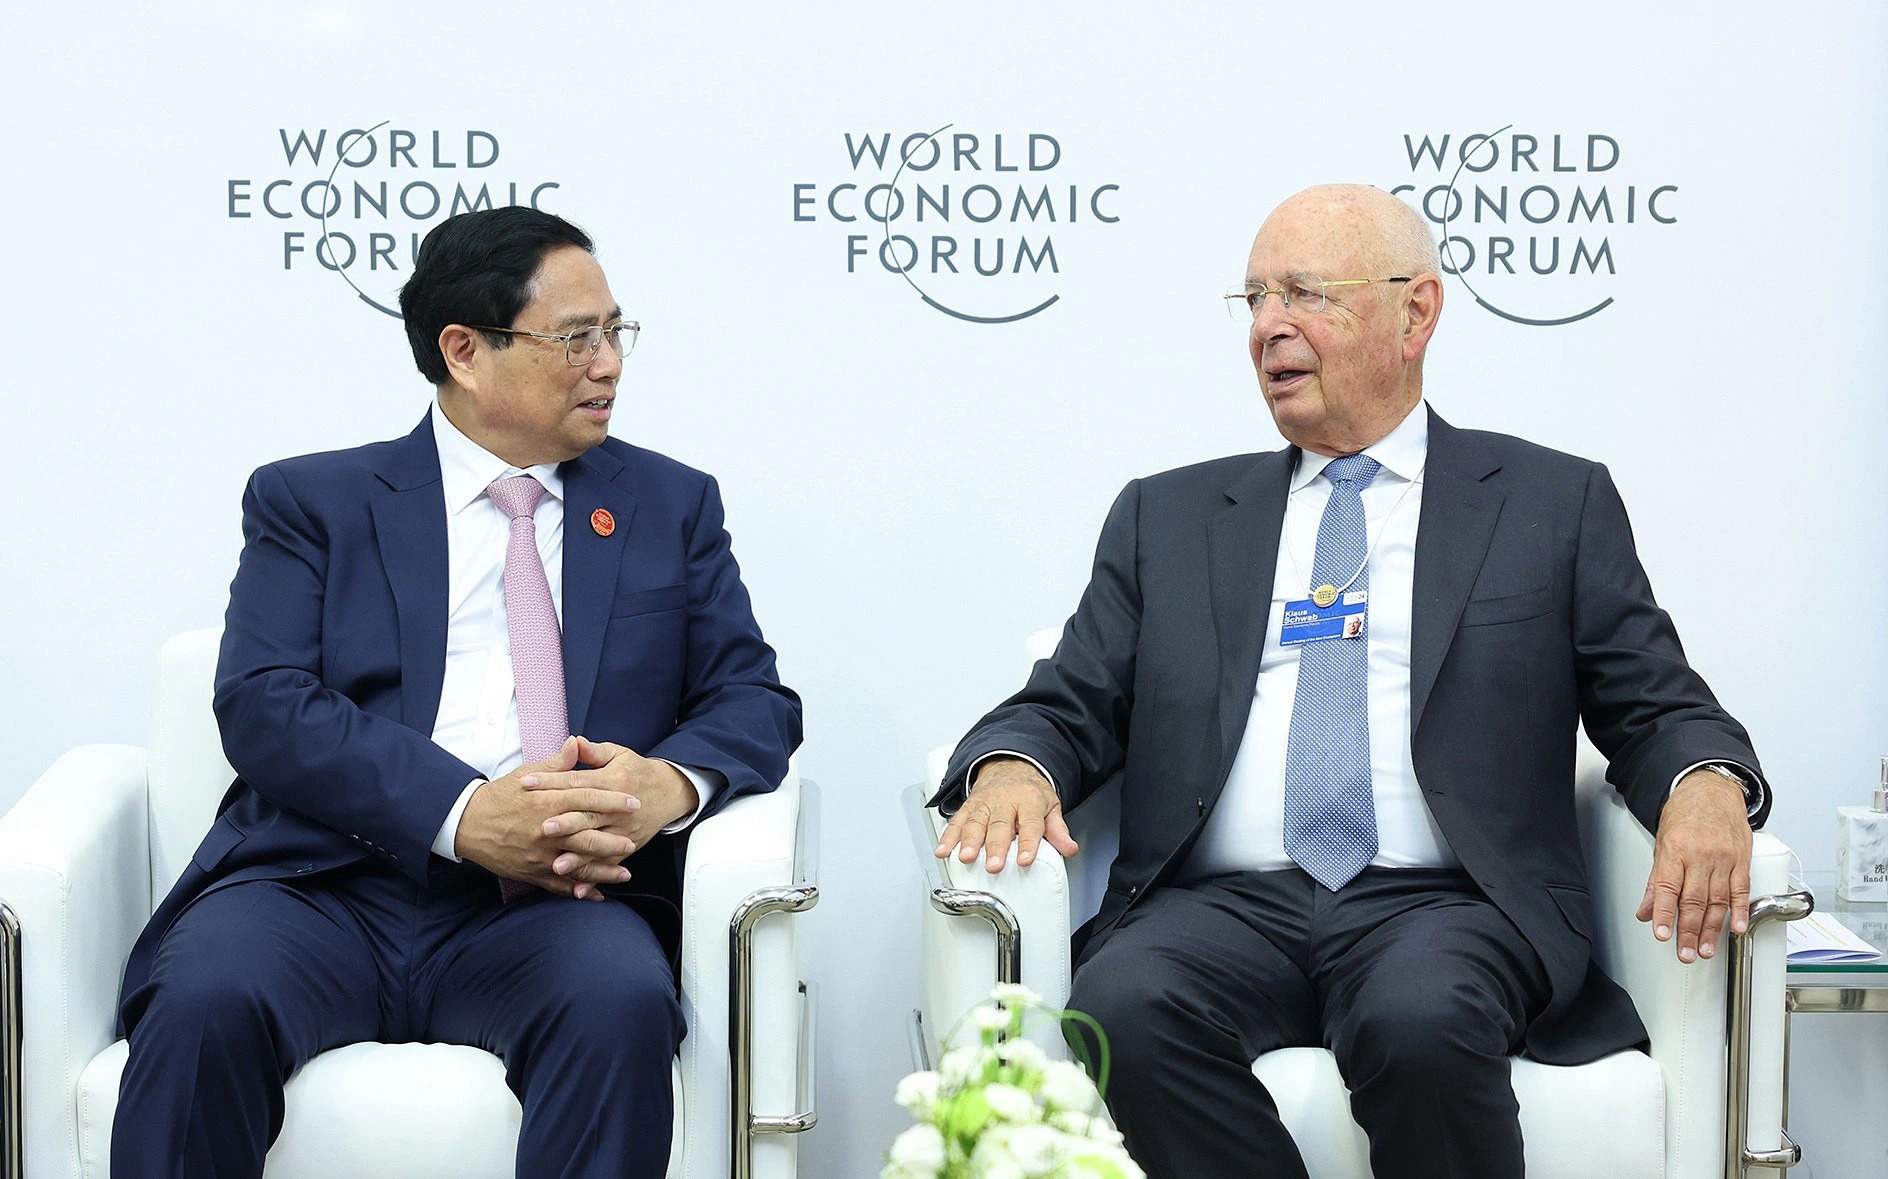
(1330, 819)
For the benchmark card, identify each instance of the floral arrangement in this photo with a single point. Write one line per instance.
(1002, 1109)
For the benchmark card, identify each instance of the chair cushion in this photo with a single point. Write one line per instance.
(366, 1111)
(1615, 1104)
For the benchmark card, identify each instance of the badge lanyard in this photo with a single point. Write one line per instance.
(1324, 595)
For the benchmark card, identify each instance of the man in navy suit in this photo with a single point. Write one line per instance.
(1347, 784)
(350, 888)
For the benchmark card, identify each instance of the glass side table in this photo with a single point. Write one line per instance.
(1821, 987)
(1842, 986)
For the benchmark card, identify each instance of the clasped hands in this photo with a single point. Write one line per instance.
(1700, 863)
(566, 824)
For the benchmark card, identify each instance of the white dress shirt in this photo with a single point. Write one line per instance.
(478, 707)
(1246, 830)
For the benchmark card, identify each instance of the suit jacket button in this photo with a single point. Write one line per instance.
(1134, 890)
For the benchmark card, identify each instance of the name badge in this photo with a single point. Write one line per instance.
(1308, 622)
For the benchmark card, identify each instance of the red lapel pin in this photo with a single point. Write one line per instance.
(601, 522)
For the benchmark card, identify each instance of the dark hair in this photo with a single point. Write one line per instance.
(476, 268)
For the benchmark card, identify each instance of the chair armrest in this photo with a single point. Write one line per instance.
(1685, 1007)
(75, 871)
(757, 844)
(1764, 1009)
(961, 945)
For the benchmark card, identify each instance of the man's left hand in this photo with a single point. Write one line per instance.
(666, 793)
(1700, 865)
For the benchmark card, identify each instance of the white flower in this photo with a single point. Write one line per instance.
(1066, 1086)
(1100, 1130)
(918, 1093)
(1038, 1150)
(1110, 1161)
(1015, 993)
(1023, 1054)
(992, 1158)
(1081, 1125)
(959, 1065)
(1010, 1103)
(1048, 1124)
(920, 1150)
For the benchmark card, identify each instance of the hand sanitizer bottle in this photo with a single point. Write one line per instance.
(1862, 847)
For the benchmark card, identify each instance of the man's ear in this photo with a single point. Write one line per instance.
(460, 346)
(1420, 312)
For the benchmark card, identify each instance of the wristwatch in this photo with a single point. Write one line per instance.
(1726, 770)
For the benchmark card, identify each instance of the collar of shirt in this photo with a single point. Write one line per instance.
(466, 469)
(1403, 451)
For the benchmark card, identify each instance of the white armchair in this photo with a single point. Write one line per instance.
(1716, 1027)
(96, 843)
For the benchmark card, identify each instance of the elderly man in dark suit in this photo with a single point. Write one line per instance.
(469, 678)
(1341, 684)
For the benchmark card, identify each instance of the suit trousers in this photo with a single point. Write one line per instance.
(1419, 986)
(255, 978)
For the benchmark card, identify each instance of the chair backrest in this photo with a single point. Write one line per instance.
(188, 772)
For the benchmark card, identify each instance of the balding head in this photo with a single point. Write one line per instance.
(1385, 233)
(1340, 379)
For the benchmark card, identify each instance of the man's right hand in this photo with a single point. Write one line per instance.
(503, 830)
(1010, 799)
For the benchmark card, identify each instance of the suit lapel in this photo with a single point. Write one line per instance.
(1242, 548)
(591, 568)
(1458, 518)
(410, 528)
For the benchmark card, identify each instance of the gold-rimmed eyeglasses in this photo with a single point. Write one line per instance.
(1306, 292)
(581, 345)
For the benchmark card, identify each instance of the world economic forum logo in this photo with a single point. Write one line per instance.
(977, 225)
(1535, 226)
(352, 206)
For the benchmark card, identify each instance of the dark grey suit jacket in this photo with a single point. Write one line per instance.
(1531, 615)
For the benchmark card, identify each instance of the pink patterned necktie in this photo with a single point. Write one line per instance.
(537, 645)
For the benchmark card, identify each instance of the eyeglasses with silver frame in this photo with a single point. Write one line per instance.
(1306, 292)
(581, 345)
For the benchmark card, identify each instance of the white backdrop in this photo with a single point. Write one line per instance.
(910, 491)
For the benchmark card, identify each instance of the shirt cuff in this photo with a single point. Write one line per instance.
(707, 784)
(448, 837)
(1757, 794)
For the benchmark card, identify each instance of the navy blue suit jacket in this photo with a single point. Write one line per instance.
(1531, 615)
(334, 646)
